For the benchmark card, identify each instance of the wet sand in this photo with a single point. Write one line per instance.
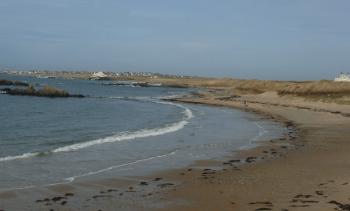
(307, 169)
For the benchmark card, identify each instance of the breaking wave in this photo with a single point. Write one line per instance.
(122, 136)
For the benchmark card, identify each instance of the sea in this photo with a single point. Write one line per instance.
(115, 131)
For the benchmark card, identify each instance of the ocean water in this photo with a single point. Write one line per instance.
(115, 131)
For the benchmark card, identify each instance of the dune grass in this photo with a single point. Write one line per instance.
(323, 90)
(317, 88)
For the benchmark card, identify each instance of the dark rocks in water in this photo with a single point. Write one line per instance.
(44, 92)
(144, 84)
(12, 83)
(143, 183)
(158, 179)
(133, 83)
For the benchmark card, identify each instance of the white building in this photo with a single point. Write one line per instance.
(343, 77)
(99, 75)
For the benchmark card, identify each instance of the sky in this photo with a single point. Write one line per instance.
(262, 39)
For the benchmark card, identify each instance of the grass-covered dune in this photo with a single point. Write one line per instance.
(324, 90)
(261, 86)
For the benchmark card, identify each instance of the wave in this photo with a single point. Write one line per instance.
(262, 131)
(71, 179)
(23, 156)
(252, 141)
(125, 136)
(122, 136)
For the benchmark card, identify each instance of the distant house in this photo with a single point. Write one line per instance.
(343, 77)
(98, 76)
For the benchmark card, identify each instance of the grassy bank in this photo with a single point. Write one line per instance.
(324, 90)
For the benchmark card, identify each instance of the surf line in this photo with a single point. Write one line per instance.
(122, 136)
(71, 179)
(262, 131)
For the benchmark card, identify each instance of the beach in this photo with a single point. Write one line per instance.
(306, 169)
(312, 176)
(174, 105)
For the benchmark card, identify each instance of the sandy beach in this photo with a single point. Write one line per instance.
(174, 105)
(307, 169)
(311, 175)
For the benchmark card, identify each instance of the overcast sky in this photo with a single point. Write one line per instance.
(265, 39)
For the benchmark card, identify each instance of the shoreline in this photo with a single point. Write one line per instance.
(275, 198)
(285, 179)
(148, 178)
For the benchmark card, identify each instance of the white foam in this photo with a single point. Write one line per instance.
(17, 188)
(122, 136)
(125, 136)
(23, 156)
(134, 135)
(71, 179)
(188, 113)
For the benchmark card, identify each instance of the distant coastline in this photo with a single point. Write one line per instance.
(323, 90)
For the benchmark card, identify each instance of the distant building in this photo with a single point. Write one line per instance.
(343, 77)
(98, 76)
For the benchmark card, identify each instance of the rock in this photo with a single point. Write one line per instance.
(57, 198)
(164, 185)
(250, 159)
(69, 194)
